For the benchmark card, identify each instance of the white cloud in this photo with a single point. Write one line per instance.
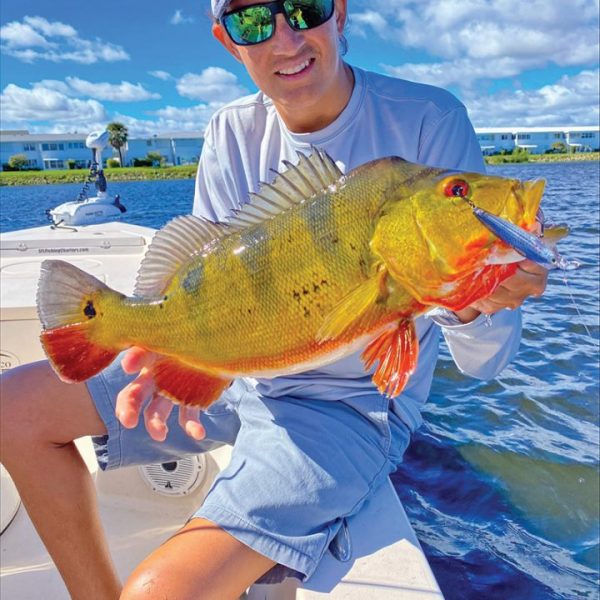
(569, 101)
(161, 75)
(55, 28)
(493, 37)
(36, 38)
(179, 19)
(20, 35)
(463, 72)
(170, 119)
(122, 92)
(20, 105)
(214, 84)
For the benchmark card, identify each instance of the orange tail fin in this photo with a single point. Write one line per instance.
(67, 302)
(72, 355)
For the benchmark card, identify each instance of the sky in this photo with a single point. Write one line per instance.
(72, 66)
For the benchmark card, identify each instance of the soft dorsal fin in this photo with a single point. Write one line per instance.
(184, 237)
(297, 183)
(171, 247)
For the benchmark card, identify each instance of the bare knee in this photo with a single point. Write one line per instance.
(200, 562)
(157, 583)
(37, 407)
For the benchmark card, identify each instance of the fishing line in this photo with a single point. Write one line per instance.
(579, 313)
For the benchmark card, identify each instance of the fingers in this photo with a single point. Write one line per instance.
(155, 417)
(131, 398)
(529, 280)
(135, 359)
(189, 420)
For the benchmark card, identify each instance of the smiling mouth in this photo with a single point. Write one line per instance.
(297, 69)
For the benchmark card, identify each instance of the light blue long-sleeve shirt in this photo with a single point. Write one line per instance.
(384, 117)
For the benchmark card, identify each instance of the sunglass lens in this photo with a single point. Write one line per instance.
(251, 25)
(306, 14)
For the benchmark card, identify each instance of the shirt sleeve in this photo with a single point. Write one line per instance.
(216, 194)
(451, 143)
(485, 346)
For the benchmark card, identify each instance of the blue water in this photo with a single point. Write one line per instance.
(501, 483)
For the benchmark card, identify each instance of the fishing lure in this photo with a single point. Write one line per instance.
(525, 243)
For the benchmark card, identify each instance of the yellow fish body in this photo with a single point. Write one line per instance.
(318, 265)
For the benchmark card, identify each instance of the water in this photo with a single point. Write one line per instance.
(501, 483)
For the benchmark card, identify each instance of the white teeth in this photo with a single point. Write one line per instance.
(295, 70)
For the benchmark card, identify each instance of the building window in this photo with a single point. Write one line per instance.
(51, 163)
(29, 147)
(523, 136)
(486, 137)
(31, 164)
(559, 136)
(506, 136)
(588, 135)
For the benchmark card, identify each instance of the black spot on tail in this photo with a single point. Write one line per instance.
(89, 311)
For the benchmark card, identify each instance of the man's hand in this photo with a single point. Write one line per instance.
(132, 397)
(529, 280)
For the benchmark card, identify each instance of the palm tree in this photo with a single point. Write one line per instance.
(118, 137)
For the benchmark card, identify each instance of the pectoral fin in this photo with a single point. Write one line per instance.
(358, 309)
(554, 233)
(186, 385)
(396, 349)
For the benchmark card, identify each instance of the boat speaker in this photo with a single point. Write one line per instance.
(177, 477)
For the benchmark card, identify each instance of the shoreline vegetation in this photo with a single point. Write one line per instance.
(189, 171)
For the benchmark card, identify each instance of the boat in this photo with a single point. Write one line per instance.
(142, 506)
(87, 210)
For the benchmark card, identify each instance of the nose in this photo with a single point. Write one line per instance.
(286, 39)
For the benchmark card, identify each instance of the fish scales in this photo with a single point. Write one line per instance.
(300, 278)
(287, 273)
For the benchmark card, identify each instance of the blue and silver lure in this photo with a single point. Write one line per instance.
(526, 244)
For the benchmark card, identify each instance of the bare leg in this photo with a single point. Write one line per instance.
(200, 562)
(41, 416)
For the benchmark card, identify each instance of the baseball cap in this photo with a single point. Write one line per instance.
(219, 7)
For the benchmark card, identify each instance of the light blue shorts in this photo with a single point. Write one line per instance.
(299, 467)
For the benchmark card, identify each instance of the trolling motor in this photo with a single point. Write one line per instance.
(87, 210)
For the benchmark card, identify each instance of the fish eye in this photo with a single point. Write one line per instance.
(457, 188)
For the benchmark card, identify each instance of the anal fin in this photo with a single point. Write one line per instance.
(396, 349)
(185, 385)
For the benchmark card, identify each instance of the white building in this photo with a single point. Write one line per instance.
(56, 150)
(538, 140)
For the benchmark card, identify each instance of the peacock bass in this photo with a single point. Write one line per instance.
(316, 266)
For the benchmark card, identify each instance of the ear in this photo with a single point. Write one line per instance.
(341, 12)
(219, 32)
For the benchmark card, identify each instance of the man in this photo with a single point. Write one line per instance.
(308, 449)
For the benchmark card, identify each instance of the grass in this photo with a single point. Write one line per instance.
(189, 171)
(79, 175)
(521, 157)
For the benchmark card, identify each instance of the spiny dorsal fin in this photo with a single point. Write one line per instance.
(184, 237)
(311, 176)
(171, 247)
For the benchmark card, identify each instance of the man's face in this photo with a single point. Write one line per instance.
(298, 70)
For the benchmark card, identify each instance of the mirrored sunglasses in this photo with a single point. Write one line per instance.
(256, 23)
